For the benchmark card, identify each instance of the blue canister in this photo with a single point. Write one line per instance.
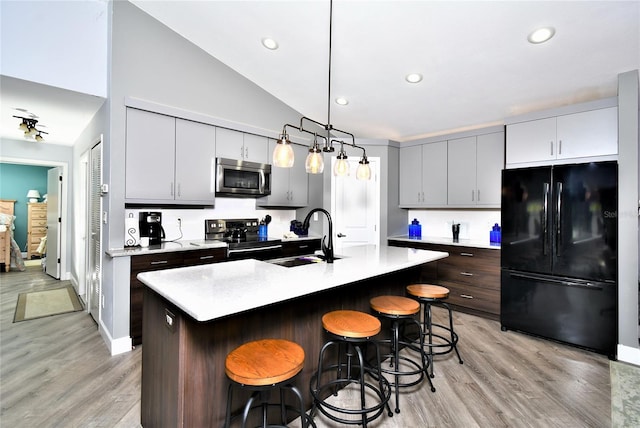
(495, 234)
(415, 229)
(262, 231)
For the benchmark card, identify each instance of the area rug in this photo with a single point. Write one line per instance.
(625, 395)
(39, 304)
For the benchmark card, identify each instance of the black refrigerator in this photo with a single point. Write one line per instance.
(559, 253)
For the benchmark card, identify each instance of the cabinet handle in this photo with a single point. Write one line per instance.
(241, 152)
(467, 254)
(551, 147)
(422, 196)
(246, 152)
(179, 191)
(466, 273)
(172, 188)
(478, 195)
(302, 247)
(160, 262)
(472, 194)
(206, 257)
(466, 296)
(418, 196)
(559, 147)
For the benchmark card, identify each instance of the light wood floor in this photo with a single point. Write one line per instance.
(57, 372)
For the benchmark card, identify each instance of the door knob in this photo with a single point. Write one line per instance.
(340, 235)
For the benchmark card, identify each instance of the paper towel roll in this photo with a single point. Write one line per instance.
(132, 232)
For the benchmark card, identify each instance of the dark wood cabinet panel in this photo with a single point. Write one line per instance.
(471, 274)
(152, 262)
(300, 248)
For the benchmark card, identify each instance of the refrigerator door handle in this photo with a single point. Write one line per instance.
(558, 230)
(545, 219)
(558, 281)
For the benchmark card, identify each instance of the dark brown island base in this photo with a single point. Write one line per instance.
(194, 316)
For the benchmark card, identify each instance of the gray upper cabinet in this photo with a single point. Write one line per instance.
(550, 140)
(423, 175)
(168, 160)
(289, 186)
(474, 171)
(195, 162)
(241, 146)
(150, 157)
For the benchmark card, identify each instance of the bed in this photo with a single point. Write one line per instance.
(9, 250)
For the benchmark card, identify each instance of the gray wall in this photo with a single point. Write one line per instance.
(628, 94)
(152, 63)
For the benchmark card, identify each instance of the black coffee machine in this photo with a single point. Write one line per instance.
(151, 227)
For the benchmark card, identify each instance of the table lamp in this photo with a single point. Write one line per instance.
(33, 195)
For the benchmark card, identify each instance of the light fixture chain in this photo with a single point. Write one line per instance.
(329, 74)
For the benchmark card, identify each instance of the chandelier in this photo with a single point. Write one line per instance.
(283, 155)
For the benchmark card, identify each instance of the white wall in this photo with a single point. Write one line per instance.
(43, 45)
(474, 225)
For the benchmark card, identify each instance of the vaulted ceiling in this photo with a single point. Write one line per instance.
(477, 65)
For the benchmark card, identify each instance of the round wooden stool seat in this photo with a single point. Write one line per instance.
(394, 305)
(352, 324)
(428, 291)
(264, 362)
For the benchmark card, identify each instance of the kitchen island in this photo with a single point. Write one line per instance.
(194, 316)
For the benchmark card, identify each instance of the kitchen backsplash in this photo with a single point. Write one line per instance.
(225, 208)
(474, 225)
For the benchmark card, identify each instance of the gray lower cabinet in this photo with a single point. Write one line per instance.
(289, 186)
(168, 160)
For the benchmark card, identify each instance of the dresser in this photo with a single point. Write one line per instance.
(36, 227)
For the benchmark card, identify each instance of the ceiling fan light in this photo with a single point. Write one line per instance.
(342, 101)
(23, 126)
(39, 137)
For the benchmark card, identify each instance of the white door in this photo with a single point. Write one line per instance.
(356, 207)
(54, 210)
(94, 246)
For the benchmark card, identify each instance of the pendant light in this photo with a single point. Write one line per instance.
(364, 171)
(283, 153)
(314, 163)
(341, 167)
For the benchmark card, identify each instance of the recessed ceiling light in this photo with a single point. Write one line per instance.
(269, 43)
(414, 77)
(342, 101)
(541, 35)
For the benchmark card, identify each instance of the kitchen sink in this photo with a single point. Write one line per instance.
(298, 260)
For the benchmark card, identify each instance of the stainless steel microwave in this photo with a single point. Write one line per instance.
(242, 178)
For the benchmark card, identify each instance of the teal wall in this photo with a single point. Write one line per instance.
(15, 181)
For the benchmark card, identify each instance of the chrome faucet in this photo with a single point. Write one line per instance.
(326, 249)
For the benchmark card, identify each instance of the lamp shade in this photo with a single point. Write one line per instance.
(283, 155)
(33, 195)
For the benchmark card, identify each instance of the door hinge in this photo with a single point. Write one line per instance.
(59, 219)
(58, 259)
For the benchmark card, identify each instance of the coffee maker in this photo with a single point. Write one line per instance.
(151, 227)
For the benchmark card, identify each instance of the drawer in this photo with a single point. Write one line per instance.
(203, 257)
(481, 299)
(39, 222)
(35, 240)
(300, 248)
(38, 215)
(155, 262)
(469, 274)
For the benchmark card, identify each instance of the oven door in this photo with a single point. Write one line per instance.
(273, 251)
(241, 178)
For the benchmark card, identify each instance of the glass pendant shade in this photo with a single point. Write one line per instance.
(341, 168)
(283, 156)
(364, 171)
(314, 163)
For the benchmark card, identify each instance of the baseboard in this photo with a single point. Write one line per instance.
(116, 346)
(629, 354)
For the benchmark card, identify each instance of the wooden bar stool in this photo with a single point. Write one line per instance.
(401, 311)
(263, 366)
(446, 338)
(350, 332)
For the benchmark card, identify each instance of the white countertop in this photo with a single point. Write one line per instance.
(447, 241)
(208, 292)
(166, 247)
